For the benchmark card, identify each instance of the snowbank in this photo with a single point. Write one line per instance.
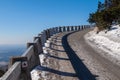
(109, 42)
(37, 73)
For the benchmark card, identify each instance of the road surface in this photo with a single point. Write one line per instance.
(99, 66)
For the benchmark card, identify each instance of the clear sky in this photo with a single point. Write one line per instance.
(21, 20)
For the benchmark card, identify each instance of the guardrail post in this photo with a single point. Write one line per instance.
(85, 26)
(39, 45)
(68, 28)
(35, 46)
(60, 29)
(36, 54)
(64, 29)
(42, 39)
(82, 27)
(47, 34)
(54, 31)
(75, 28)
(78, 27)
(25, 72)
(72, 28)
(50, 31)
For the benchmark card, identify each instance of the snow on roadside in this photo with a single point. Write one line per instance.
(108, 42)
(37, 73)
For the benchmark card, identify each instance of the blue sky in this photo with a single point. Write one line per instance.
(21, 20)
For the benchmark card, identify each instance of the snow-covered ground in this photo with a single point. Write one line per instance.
(108, 42)
(36, 73)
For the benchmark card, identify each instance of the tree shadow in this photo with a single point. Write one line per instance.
(113, 28)
(81, 70)
(42, 68)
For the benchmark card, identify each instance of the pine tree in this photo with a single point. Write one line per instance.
(107, 4)
(106, 13)
(100, 6)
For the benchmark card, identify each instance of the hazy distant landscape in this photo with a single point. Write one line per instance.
(6, 51)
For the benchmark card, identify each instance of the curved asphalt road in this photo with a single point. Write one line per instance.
(86, 61)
